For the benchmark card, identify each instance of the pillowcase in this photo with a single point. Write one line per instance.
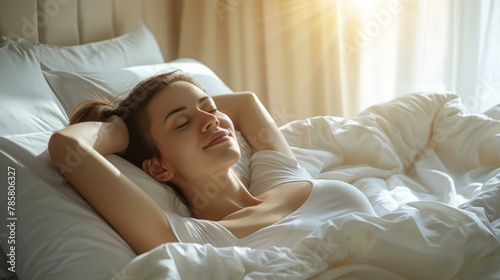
(5, 273)
(72, 88)
(57, 234)
(27, 102)
(138, 47)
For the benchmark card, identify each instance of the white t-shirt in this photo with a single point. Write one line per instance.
(328, 199)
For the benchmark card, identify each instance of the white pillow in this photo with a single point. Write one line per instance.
(138, 47)
(72, 88)
(27, 103)
(57, 234)
(5, 273)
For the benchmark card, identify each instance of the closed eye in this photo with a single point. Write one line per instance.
(182, 125)
(211, 111)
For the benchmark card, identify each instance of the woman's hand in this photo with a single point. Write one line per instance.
(106, 138)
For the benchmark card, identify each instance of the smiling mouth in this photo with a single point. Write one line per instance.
(221, 137)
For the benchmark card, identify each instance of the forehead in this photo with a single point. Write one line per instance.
(176, 93)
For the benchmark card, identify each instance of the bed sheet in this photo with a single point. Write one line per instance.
(418, 159)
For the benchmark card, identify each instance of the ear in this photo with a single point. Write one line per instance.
(155, 169)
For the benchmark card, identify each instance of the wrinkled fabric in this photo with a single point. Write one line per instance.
(421, 240)
(417, 147)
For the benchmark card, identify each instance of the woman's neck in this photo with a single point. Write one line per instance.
(218, 195)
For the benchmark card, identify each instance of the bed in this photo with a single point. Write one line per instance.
(418, 159)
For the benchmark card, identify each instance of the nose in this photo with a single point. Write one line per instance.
(209, 121)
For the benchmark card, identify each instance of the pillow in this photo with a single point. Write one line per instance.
(5, 273)
(57, 234)
(27, 102)
(139, 47)
(72, 88)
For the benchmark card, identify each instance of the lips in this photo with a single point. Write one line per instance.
(217, 137)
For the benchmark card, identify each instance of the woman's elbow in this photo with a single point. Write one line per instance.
(61, 148)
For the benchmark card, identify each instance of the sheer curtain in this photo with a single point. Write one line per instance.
(337, 57)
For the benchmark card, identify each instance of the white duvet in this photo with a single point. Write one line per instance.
(417, 159)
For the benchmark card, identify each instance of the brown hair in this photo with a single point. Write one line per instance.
(132, 109)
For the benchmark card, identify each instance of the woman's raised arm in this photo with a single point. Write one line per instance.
(79, 151)
(252, 119)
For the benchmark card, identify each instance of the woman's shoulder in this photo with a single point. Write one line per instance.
(269, 168)
(273, 159)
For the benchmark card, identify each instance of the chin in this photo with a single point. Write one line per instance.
(224, 162)
(235, 146)
(234, 154)
(229, 155)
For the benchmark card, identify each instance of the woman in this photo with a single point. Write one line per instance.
(170, 128)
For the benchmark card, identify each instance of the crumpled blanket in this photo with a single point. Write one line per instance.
(431, 171)
(416, 147)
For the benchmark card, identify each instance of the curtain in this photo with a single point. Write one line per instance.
(306, 58)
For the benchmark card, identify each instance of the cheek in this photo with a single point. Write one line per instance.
(179, 160)
(225, 122)
(182, 154)
(179, 148)
(188, 163)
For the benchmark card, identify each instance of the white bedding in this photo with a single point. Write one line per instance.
(416, 158)
(417, 147)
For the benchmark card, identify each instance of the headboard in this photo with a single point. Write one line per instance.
(75, 22)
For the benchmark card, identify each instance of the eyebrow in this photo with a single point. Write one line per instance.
(177, 110)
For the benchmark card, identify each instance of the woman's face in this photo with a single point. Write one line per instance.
(194, 138)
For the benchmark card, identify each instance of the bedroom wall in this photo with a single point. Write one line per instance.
(72, 22)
